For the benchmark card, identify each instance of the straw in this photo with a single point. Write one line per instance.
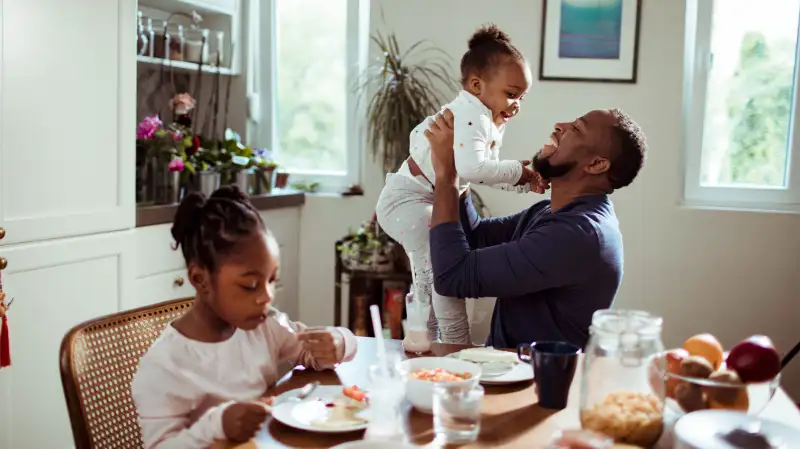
(378, 330)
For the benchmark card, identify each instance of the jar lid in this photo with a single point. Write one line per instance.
(620, 321)
(725, 429)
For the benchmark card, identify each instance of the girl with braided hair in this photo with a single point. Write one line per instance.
(205, 376)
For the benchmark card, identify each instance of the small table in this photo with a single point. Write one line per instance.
(511, 416)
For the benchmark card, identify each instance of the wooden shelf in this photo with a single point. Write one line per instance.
(183, 66)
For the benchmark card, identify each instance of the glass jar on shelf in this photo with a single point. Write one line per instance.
(158, 45)
(195, 45)
(620, 397)
(144, 37)
(175, 42)
(217, 54)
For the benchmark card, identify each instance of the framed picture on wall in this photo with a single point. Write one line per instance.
(590, 40)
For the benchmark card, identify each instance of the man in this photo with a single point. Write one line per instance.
(550, 266)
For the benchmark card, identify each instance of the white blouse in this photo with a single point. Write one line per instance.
(182, 386)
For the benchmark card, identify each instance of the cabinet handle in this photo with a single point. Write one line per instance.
(3, 263)
(178, 281)
(2, 233)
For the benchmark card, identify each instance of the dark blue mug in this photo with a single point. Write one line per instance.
(554, 364)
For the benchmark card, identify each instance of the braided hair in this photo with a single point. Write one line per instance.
(486, 46)
(207, 229)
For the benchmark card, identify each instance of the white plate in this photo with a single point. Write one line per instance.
(361, 444)
(300, 414)
(519, 372)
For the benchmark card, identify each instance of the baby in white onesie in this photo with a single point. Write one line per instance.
(495, 78)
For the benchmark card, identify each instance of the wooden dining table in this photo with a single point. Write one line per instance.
(511, 417)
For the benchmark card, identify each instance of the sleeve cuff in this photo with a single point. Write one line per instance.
(216, 420)
(350, 344)
(518, 167)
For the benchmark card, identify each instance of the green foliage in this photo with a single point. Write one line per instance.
(402, 93)
(759, 110)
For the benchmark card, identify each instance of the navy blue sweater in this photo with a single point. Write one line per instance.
(549, 271)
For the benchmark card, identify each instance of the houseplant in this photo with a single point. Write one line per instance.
(402, 94)
(367, 249)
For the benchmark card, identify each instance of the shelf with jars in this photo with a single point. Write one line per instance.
(187, 40)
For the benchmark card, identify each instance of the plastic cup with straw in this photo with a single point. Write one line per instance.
(386, 393)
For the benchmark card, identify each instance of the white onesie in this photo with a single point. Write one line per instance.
(476, 143)
(406, 202)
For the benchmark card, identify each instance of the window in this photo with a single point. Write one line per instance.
(311, 55)
(742, 146)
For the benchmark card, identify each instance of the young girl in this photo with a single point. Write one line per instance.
(203, 379)
(495, 77)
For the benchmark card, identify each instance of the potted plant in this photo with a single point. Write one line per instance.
(367, 249)
(265, 168)
(159, 148)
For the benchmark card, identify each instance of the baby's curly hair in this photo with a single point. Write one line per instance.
(487, 46)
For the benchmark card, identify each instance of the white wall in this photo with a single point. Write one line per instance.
(729, 273)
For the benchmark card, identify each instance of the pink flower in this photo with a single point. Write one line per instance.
(148, 127)
(177, 135)
(181, 104)
(176, 165)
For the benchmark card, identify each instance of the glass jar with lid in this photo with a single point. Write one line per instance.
(175, 42)
(620, 395)
(158, 44)
(195, 45)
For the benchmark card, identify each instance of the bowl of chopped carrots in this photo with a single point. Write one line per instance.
(425, 372)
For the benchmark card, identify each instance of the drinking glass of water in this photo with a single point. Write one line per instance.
(457, 413)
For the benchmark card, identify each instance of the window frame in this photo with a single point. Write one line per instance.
(262, 93)
(698, 60)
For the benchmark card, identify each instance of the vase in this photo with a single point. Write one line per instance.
(207, 182)
(161, 186)
(245, 180)
(264, 179)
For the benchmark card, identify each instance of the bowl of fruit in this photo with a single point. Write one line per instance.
(702, 375)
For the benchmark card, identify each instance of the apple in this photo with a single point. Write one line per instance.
(674, 359)
(754, 359)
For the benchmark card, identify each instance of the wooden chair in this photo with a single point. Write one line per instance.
(98, 361)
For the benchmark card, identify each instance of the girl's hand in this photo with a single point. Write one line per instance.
(326, 344)
(241, 421)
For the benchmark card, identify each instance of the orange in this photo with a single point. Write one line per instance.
(706, 346)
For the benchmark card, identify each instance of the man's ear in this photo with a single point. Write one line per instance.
(474, 85)
(598, 165)
(199, 277)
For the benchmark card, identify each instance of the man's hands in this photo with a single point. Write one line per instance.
(440, 136)
(326, 344)
(241, 421)
(528, 175)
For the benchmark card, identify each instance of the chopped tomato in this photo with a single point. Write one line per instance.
(354, 393)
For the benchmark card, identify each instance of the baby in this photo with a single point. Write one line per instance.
(495, 78)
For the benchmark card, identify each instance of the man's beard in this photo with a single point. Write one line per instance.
(549, 171)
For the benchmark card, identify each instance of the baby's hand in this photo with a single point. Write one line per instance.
(540, 185)
(326, 344)
(241, 421)
(528, 175)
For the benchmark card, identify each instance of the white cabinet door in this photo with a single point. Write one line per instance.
(56, 285)
(67, 117)
(285, 225)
